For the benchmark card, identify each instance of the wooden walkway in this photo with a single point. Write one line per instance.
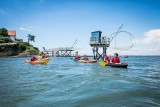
(59, 52)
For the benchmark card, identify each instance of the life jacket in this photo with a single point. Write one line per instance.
(77, 57)
(115, 60)
(44, 57)
(85, 58)
(33, 59)
(107, 59)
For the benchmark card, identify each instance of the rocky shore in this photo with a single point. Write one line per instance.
(17, 50)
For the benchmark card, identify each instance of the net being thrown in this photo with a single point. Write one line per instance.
(122, 40)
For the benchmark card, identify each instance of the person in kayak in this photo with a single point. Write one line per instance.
(44, 56)
(33, 58)
(115, 59)
(40, 55)
(85, 57)
(106, 58)
(77, 57)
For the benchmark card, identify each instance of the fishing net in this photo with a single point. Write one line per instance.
(122, 40)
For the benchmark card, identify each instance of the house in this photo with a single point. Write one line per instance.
(12, 34)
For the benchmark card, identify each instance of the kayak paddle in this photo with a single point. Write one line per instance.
(103, 64)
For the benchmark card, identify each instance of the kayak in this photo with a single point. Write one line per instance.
(39, 57)
(87, 61)
(44, 61)
(125, 56)
(118, 65)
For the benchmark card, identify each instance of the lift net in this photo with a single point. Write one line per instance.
(122, 40)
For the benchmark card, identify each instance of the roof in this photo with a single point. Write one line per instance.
(11, 32)
(97, 31)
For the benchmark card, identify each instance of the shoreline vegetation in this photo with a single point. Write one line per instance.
(10, 46)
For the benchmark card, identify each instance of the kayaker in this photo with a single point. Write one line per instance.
(33, 58)
(115, 59)
(44, 56)
(106, 58)
(77, 57)
(85, 57)
(40, 55)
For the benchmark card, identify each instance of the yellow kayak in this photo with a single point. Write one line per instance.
(88, 61)
(44, 61)
(39, 57)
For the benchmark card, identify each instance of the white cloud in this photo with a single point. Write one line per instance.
(25, 29)
(149, 44)
(3, 12)
(152, 36)
(22, 28)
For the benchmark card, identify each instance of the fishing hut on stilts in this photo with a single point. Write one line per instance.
(97, 41)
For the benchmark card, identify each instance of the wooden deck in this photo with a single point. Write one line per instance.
(59, 52)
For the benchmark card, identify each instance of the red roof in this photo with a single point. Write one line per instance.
(11, 32)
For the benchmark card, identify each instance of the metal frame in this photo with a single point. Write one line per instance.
(97, 55)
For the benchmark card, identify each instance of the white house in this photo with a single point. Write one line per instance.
(12, 34)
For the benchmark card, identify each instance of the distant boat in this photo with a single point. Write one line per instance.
(125, 56)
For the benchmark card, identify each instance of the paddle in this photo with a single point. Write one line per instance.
(103, 64)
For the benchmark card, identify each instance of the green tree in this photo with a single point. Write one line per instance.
(3, 32)
(31, 38)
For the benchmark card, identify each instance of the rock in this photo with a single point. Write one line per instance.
(22, 55)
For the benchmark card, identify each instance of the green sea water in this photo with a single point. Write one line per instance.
(67, 83)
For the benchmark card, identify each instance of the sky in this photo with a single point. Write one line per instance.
(58, 23)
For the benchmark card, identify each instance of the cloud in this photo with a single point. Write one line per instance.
(150, 37)
(149, 44)
(25, 29)
(3, 12)
(22, 28)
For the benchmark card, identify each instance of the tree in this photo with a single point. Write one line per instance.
(3, 32)
(31, 38)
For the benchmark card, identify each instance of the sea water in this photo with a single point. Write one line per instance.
(67, 83)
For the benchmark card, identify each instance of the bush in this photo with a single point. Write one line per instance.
(22, 47)
(22, 55)
(24, 43)
(2, 41)
(36, 48)
(5, 39)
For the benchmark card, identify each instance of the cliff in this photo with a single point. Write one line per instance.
(21, 49)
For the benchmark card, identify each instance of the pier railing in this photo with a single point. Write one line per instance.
(61, 51)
